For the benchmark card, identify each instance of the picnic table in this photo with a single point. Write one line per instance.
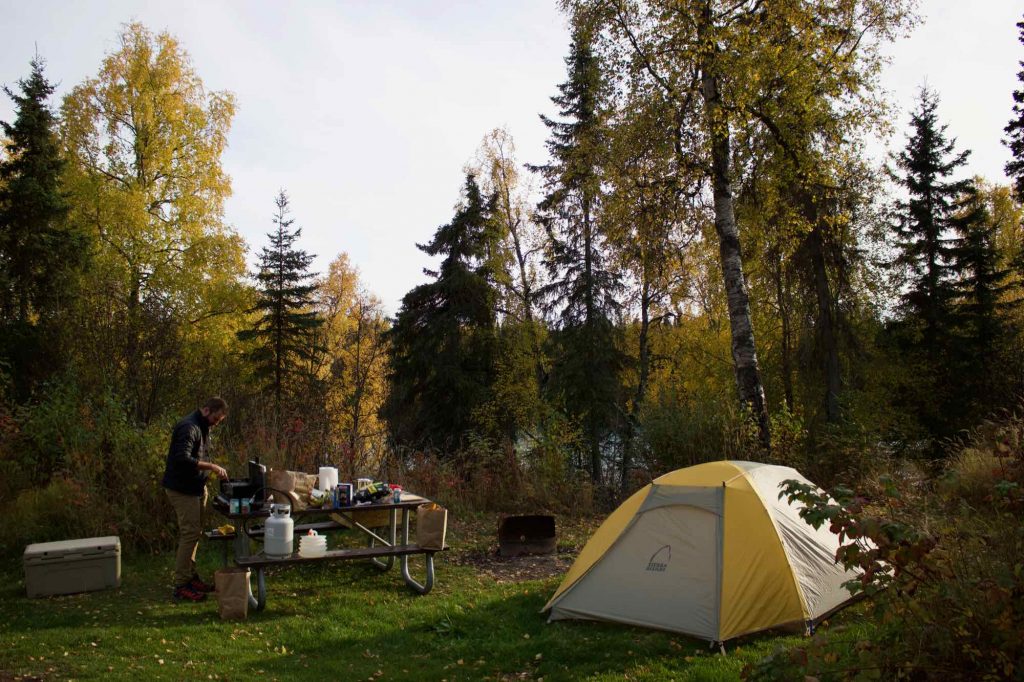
(381, 551)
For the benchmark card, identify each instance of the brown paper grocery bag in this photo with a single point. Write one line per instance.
(431, 525)
(281, 482)
(232, 593)
(303, 482)
(295, 486)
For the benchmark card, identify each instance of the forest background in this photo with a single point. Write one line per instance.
(707, 265)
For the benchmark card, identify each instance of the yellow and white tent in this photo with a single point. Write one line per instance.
(709, 551)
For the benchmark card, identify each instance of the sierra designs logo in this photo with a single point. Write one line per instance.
(659, 560)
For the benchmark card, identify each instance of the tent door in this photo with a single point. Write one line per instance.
(662, 573)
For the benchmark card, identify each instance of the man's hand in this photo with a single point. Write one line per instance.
(217, 469)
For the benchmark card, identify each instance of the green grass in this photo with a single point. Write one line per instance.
(340, 621)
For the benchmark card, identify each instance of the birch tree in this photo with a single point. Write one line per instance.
(144, 141)
(727, 66)
(354, 328)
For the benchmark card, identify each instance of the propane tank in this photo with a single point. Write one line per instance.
(278, 531)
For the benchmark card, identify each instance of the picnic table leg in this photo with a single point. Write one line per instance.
(386, 565)
(260, 602)
(241, 542)
(428, 583)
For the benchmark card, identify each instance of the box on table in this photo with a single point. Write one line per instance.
(70, 566)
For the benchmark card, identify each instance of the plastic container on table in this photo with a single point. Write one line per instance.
(312, 545)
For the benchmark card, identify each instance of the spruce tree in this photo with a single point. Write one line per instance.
(442, 342)
(284, 334)
(1015, 131)
(982, 309)
(582, 289)
(925, 230)
(38, 252)
(946, 252)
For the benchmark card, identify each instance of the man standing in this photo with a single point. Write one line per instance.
(188, 465)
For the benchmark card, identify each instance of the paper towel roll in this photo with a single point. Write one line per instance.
(328, 478)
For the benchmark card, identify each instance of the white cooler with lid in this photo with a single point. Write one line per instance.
(70, 566)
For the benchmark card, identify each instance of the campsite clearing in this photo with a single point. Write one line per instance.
(351, 622)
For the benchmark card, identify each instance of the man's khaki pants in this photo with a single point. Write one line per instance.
(189, 509)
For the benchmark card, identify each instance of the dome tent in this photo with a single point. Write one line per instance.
(709, 551)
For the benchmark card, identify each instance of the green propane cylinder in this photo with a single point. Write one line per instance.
(278, 532)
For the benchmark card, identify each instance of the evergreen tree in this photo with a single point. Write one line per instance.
(945, 256)
(982, 305)
(1015, 131)
(38, 253)
(582, 289)
(925, 231)
(285, 333)
(442, 342)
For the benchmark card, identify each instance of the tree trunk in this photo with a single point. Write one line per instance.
(133, 343)
(744, 355)
(23, 302)
(787, 332)
(527, 294)
(593, 435)
(355, 442)
(826, 324)
(644, 370)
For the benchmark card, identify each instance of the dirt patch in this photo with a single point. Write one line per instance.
(516, 569)
(473, 538)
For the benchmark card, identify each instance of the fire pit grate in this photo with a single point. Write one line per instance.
(526, 534)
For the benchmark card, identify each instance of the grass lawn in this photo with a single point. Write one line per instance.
(349, 621)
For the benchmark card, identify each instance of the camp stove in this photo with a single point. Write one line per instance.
(252, 489)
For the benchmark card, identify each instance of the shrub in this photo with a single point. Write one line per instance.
(90, 471)
(944, 571)
(680, 429)
(55, 511)
(486, 476)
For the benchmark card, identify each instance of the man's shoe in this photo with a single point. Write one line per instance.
(186, 593)
(198, 585)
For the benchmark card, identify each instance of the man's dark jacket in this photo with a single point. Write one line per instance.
(189, 440)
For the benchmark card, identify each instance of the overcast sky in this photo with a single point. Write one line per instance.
(367, 112)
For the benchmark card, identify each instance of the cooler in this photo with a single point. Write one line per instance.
(71, 566)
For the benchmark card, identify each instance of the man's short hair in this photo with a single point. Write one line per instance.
(216, 404)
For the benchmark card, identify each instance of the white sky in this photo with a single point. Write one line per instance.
(367, 112)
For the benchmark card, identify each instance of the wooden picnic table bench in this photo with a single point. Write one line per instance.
(382, 555)
(259, 562)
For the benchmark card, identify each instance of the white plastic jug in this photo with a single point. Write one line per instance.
(312, 545)
(278, 531)
(328, 478)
